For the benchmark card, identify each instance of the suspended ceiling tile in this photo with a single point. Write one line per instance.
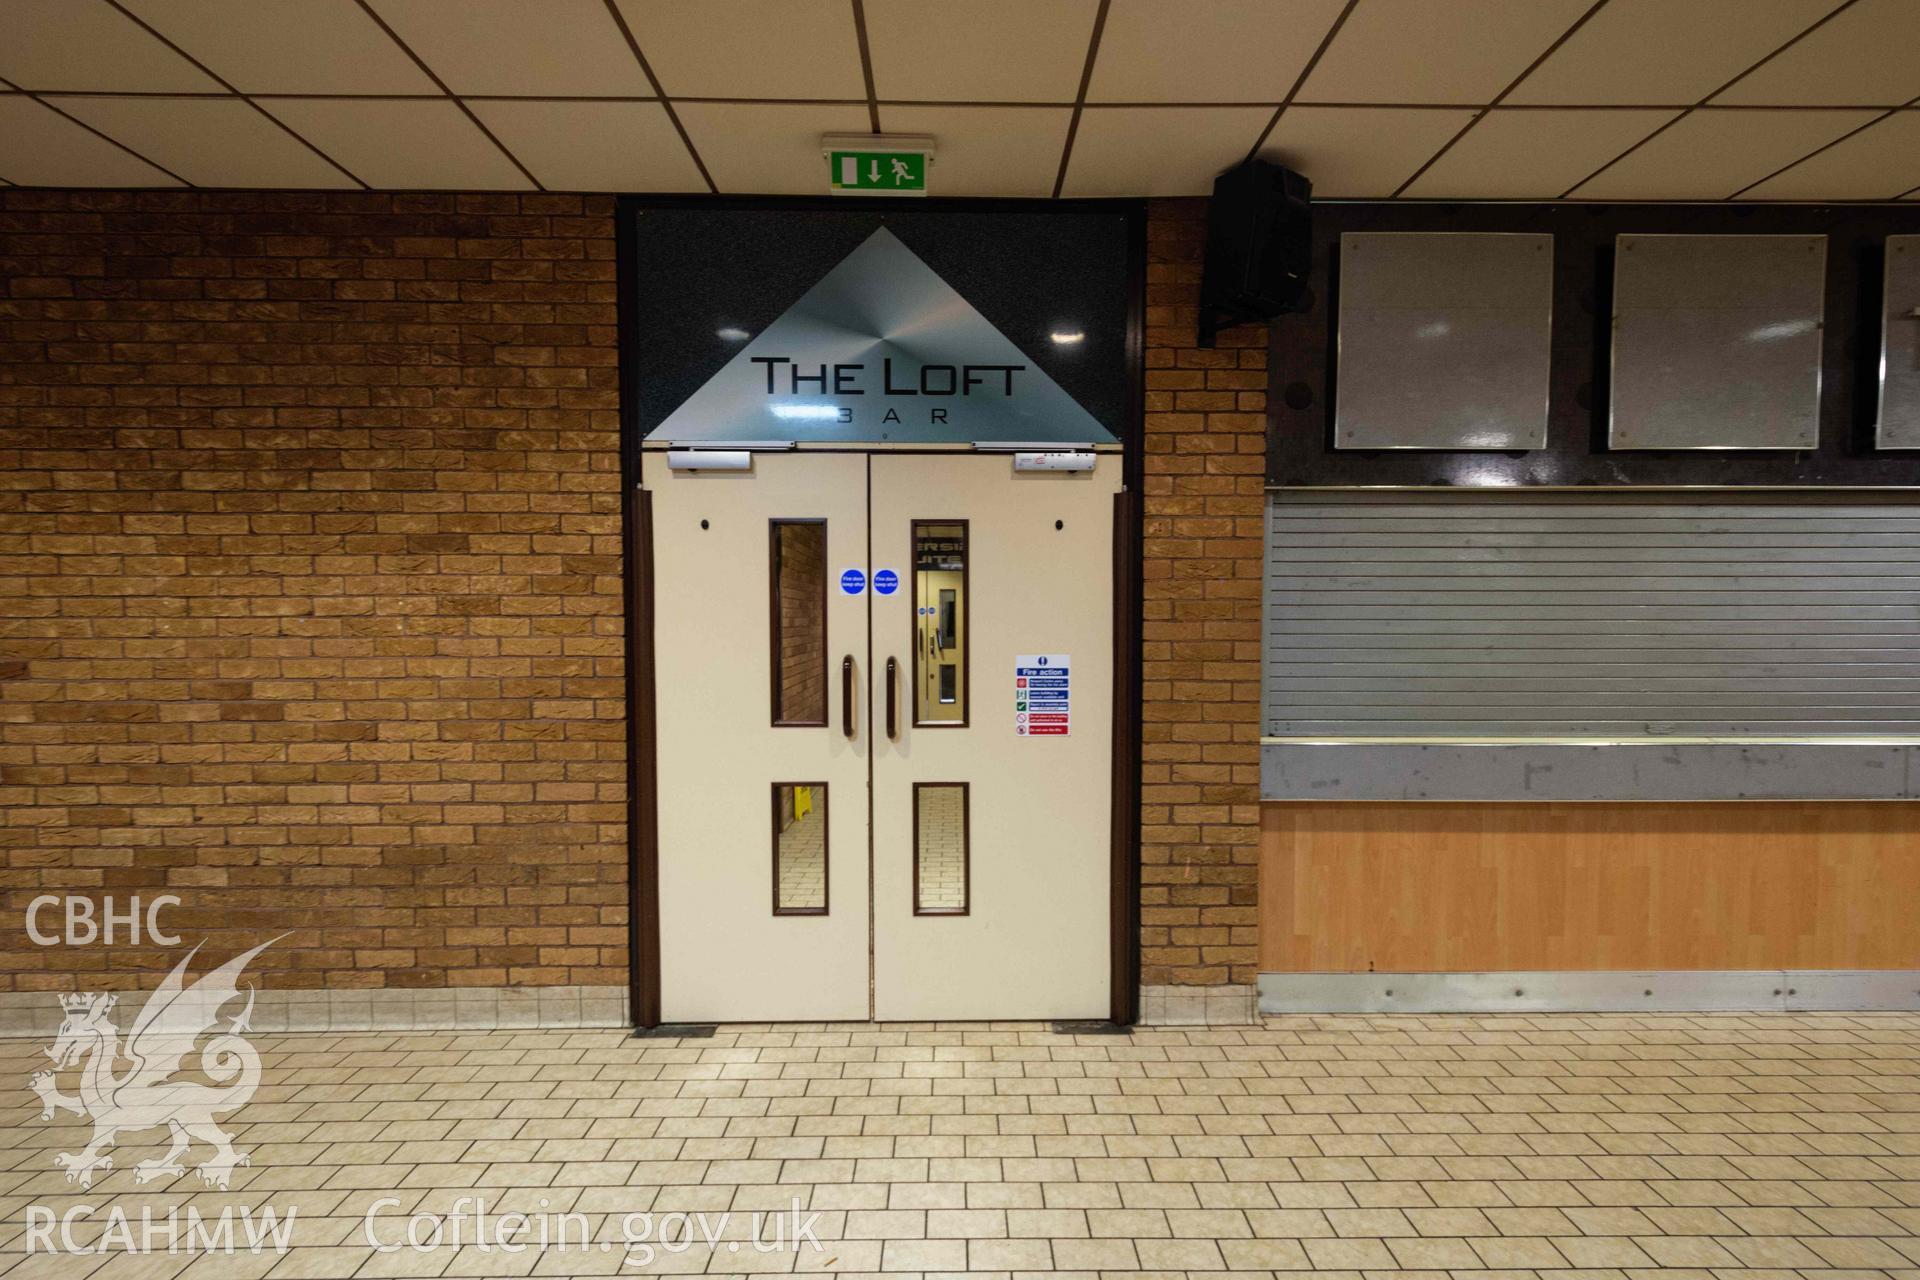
(402, 144)
(771, 49)
(288, 46)
(767, 148)
(1430, 51)
(1226, 50)
(1878, 163)
(1709, 155)
(1866, 54)
(1159, 151)
(211, 142)
(594, 146)
(561, 47)
(1532, 155)
(987, 151)
(1355, 152)
(1657, 51)
(980, 51)
(86, 44)
(40, 148)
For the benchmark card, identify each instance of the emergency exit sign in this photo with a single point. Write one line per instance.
(894, 172)
(877, 165)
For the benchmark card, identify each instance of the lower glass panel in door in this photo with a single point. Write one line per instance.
(800, 848)
(942, 858)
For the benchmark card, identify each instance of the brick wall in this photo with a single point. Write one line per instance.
(309, 582)
(1205, 476)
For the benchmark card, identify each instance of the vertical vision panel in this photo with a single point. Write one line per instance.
(940, 623)
(941, 856)
(799, 848)
(799, 625)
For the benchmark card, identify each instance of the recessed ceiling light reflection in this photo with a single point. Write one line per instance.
(732, 334)
(1778, 332)
(1067, 337)
(806, 412)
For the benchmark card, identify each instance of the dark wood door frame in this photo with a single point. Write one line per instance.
(643, 789)
(643, 828)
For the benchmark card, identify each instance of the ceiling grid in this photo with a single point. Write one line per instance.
(666, 105)
(1318, 52)
(1706, 98)
(1080, 98)
(1515, 83)
(1695, 100)
(211, 75)
(442, 86)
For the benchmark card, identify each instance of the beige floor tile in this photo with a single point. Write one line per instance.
(1367, 1255)
(1009, 1255)
(1686, 1251)
(1095, 1255)
(924, 1255)
(1677, 1147)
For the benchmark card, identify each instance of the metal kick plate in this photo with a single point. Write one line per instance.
(1900, 347)
(1444, 340)
(1590, 991)
(1716, 342)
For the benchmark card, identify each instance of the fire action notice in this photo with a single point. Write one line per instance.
(1042, 695)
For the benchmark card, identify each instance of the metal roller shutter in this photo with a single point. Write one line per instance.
(1570, 616)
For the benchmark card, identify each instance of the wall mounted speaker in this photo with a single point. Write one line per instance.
(1259, 247)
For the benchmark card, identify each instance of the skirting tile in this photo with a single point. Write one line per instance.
(1174, 1006)
(37, 1013)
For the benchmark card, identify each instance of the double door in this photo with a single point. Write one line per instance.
(884, 731)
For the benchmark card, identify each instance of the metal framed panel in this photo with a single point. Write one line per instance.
(1445, 340)
(1540, 771)
(1899, 422)
(1717, 341)
(1303, 391)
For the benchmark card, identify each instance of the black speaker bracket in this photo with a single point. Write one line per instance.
(1258, 247)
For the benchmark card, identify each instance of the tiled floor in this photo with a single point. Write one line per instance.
(1709, 1147)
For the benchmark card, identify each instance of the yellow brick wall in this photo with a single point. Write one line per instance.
(1205, 470)
(310, 603)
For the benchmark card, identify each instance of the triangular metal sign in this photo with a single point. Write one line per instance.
(881, 350)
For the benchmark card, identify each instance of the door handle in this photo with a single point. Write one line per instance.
(893, 721)
(846, 693)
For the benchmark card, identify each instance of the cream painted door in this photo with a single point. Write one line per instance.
(763, 849)
(991, 846)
